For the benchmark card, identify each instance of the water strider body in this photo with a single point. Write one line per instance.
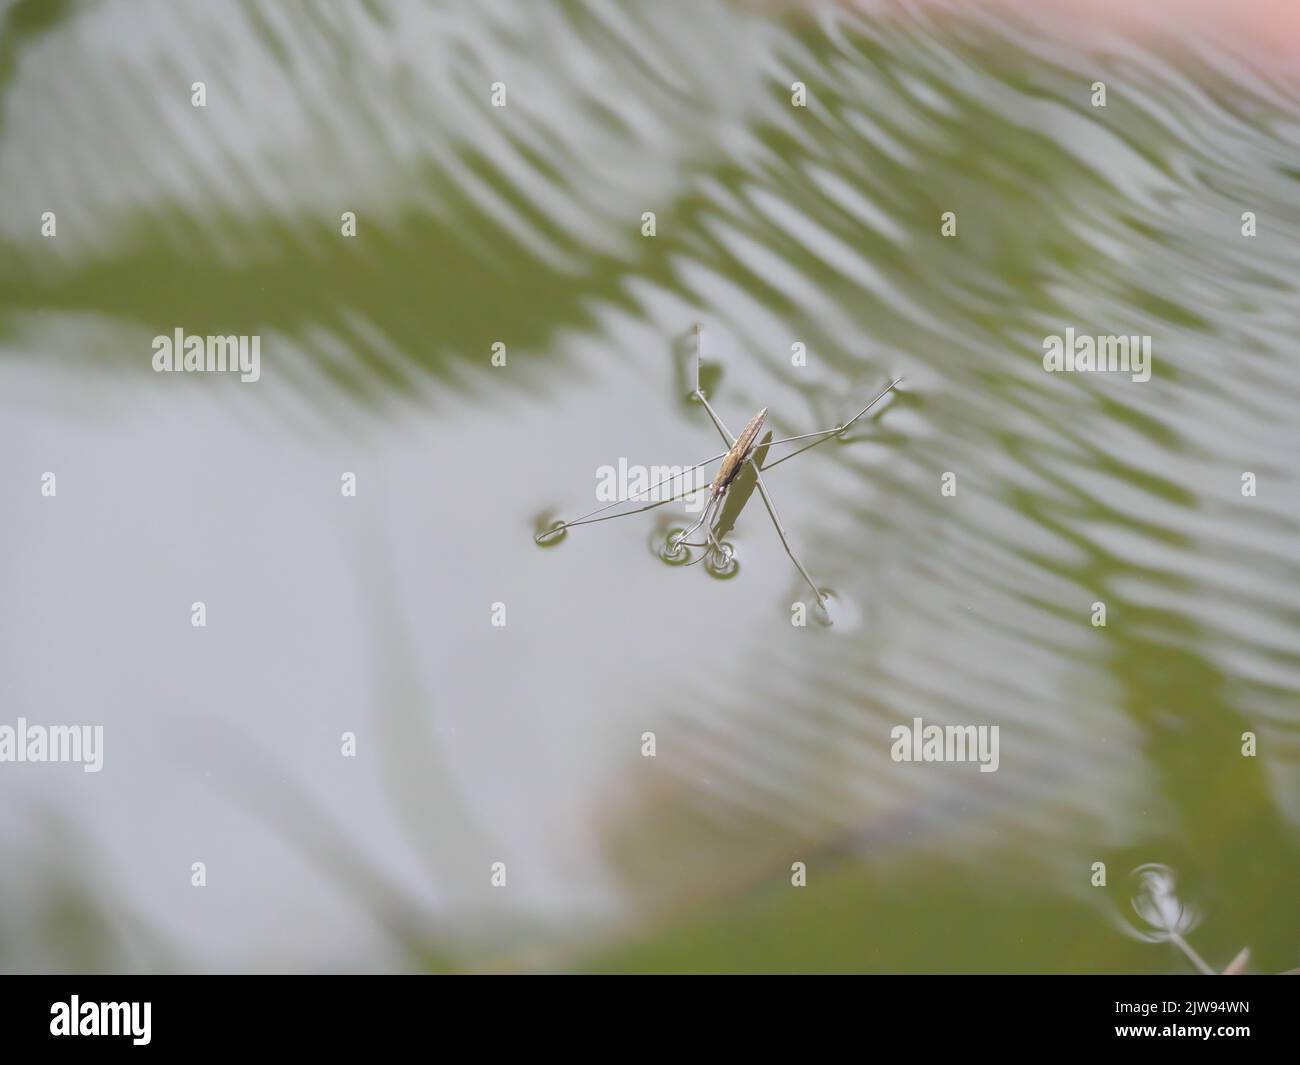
(732, 463)
(735, 458)
(739, 453)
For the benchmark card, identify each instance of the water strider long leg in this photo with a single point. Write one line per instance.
(825, 434)
(705, 518)
(677, 541)
(799, 451)
(726, 433)
(724, 553)
(839, 428)
(892, 385)
(776, 520)
(699, 392)
(583, 519)
(625, 514)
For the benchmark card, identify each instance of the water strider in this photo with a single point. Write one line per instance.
(739, 453)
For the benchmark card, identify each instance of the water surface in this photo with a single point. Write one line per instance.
(522, 744)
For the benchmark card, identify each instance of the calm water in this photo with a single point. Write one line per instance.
(522, 744)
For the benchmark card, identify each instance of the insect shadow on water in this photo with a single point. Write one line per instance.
(744, 456)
